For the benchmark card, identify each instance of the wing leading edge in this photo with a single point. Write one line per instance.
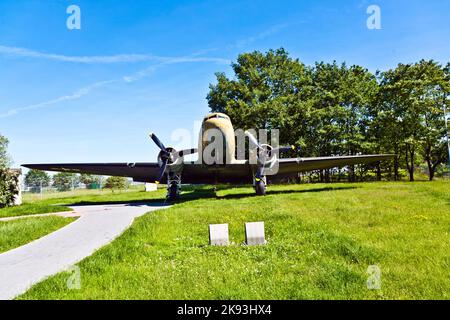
(294, 165)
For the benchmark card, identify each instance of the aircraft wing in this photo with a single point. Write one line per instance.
(293, 165)
(137, 171)
(196, 173)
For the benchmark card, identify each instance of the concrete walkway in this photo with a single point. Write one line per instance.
(96, 226)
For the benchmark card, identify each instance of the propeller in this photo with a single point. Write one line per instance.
(265, 151)
(158, 142)
(168, 155)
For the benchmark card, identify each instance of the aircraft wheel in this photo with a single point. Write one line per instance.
(260, 188)
(173, 192)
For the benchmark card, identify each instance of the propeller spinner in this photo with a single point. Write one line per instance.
(167, 156)
(265, 151)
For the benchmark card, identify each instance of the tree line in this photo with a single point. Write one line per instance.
(335, 109)
(64, 181)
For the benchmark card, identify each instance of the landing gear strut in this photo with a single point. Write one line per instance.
(260, 186)
(173, 186)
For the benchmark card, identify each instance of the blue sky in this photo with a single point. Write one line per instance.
(94, 94)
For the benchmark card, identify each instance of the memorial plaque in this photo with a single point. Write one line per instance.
(218, 234)
(254, 233)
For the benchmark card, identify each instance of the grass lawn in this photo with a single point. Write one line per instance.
(58, 201)
(321, 240)
(16, 233)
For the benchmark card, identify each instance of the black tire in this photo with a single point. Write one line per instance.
(260, 188)
(173, 192)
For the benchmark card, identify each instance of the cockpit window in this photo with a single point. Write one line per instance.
(220, 116)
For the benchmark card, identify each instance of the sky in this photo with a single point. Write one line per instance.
(93, 94)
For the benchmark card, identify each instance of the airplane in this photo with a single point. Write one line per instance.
(171, 168)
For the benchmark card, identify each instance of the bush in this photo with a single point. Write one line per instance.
(9, 186)
(116, 183)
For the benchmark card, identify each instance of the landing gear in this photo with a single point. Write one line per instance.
(260, 186)
(173, 187)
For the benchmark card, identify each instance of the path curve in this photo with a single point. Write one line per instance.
(96, 226)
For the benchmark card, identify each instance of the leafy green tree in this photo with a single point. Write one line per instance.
(4, 158)
(321, 109)
(91, 181)
(116, 183)
(338, 123)
(265, 89)
(335, 109)
(8, 179)
(37, 178)
(413, 97)
(64, 181)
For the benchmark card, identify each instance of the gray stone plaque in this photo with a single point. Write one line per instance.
(218, 234)
(254, 233)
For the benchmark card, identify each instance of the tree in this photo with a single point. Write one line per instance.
(339, 121)
(4, 158)
(37, 178)
(413, 97)
(91, 181)
(8, 180)
(321, 109)
(64, 181)
(116, 183)
(266, 87)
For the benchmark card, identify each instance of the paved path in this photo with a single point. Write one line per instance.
(96, 226)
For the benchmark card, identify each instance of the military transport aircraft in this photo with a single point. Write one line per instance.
(171, 168)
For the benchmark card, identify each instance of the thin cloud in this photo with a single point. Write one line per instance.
(128, 79)
(148, 71)
(260, 36)
(122, 58)
(118, 58)
(75, 95)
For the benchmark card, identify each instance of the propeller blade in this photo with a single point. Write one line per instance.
(186, 152)
(157, 141)
(162, 169)
(252, 139)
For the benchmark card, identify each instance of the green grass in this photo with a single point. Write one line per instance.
(58, 201)
(31, 208)
(321, 240)
(16, 233)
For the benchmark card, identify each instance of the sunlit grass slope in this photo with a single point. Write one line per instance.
(16, 233)
(321, 240)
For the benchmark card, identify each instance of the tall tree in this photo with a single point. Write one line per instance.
(265, 90)
(414, 95)
(4, 158)
(8, 180)
(37, 178)
(64, 181)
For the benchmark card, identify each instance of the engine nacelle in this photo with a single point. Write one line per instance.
(172, 155)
